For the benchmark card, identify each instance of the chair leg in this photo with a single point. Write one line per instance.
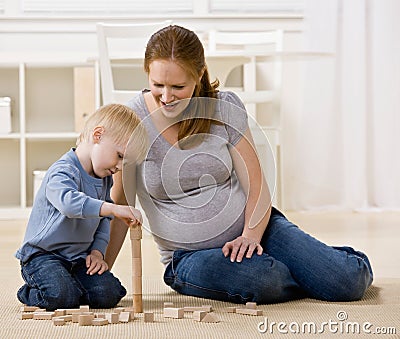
(279, 180)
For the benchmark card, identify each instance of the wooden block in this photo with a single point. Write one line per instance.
(137, 284)
(136, 250)
(67, 317)
(88, 313)
(59, 313)
(75, 317)
(210, 318)
(199, 315)
(119, 310)
(136, 232)
(231, 309)
(136, 267)
(173, 312)
(26, 315)
(138, 303)
(251, 305)
(43, 315)
(100, 315)
(72, 310)
(148, 317)
(85, 319)
(124, 317)
(84, 308)
(58, 321)
(84, 95)
(113, 318)
(40, 310)
(131, 310)
(249, 311)
(99, 322)
(29, 308)
(204, 308)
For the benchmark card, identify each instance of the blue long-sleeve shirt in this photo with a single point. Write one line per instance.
(65, 214)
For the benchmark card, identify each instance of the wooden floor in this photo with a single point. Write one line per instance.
(375, 233)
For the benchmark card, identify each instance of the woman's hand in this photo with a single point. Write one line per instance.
(95, 263)
(241, 246)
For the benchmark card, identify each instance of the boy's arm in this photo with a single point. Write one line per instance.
(129, 215)
(63, 193)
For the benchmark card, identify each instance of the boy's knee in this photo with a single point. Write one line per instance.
(107, 292)
(60, 297)
(106, 296)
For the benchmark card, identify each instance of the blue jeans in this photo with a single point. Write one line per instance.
(52, 282)
(294, 265)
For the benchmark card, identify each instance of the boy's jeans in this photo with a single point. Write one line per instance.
(294, 265)
(52, 282)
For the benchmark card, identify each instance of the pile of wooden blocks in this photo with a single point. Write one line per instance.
(83, 316)
(250, 309)
(201, 313)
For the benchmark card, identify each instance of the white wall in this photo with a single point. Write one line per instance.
(73, 40)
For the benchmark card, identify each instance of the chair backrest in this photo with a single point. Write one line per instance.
(221, 39)
(255, 43)
(122, 45)
(260, 90)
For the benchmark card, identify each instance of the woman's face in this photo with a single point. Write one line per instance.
(170, 83)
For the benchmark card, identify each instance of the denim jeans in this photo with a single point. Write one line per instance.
(51, 282)
(294, 265)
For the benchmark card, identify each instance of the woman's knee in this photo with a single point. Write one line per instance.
(266, 281)
(276, 285)
(351, 281)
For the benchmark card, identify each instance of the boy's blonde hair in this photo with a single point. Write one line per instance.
(122, 124)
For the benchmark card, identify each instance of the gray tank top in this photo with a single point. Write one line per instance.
(192, 197)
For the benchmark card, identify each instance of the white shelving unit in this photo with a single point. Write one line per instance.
(43, 123)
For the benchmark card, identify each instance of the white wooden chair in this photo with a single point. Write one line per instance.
(121, 47)
(262, 68)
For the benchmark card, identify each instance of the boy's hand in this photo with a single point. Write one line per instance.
(133, 218)
(130, 215)
(95, 263)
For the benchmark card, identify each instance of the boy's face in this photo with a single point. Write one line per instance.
(106, 156)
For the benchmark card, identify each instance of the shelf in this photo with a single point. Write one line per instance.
(52, 136)
(14, 212)
(47, 108)
(10, 136)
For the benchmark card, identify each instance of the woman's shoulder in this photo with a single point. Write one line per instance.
(231, 107)
(233, 114)
(231, 97)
